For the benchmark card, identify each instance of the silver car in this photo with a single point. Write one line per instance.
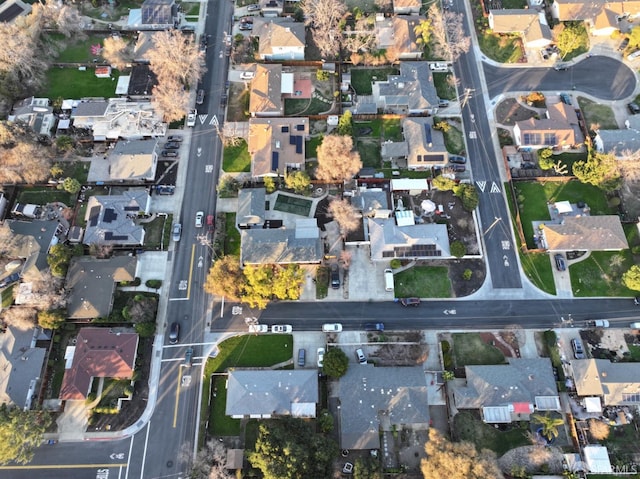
(177, 232)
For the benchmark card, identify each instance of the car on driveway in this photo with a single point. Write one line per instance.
(456, 167)
(169, 154)
(320, 357)
(258, 328)
(633, 108)
(335, 276)
(199, 219)
(439, 67)
(172, 145)
(578, 349)
(561, 265)
(331, 327)
(254, 8)
(415, 302)
(165, 189)
(177, 138)
(177, 232)
(247, 75)
(623, 44)
(374, 327)
(12, 278)
(281, 328)
(245, 26)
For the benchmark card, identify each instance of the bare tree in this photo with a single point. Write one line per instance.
(175, 57)
(336, 159)
(20, 317)
(62, 17)
(22, 158)
(47, 293)
(362, 37)
(345, 215)
(117, 52)
(210, 462)
(345, 257)
(599, 430)
(168, 97)
(447, 33)
(324, 16)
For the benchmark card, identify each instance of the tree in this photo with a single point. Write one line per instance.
(599, 430)
(325, 421)
(600, 170)
(336, 159)
(175, 57)
(287, 282)
(468, 194)
(64, 143)
(367, 468)
(448, 38)
(146, 329)
(59, 258)
(572, 36)
(117, 52)
(457, 460)
(289, 448)
(225, 278)
(634, 37)
(335, 363)
(169, 98)
(228, 186)
(22, 158)
(549, 424)
(20, 317)
(345, 124)
(70, 185)
(345, 215)
(423, 32)
(210, 462)
(458, 249)
(269, 184)
(51, 319)
(258, 286)
(323, 16)
(545, 158)
(362, 37)
(298, 181)
(631, 278)
(443, 183)
(21, 432)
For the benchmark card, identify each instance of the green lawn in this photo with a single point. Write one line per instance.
(219, 423)
(232, 236)
(296, 106)
(6, 297)
(569, 159)
(392, 129)
(454, 141)
(601, 274)
(311, 147)
(423, 282)
(75, 84)
(80, 50)
(622, 444)
(157, 232)
(469, 348)
(444, 88)
(634, 352)
(597, 115)
(369, 153)
(191, 8)
(538, 269)
(361, 78)
(75, 169)
(468, 427)
(236, 158)
(375, 125)
(42, 196)
(501, 48)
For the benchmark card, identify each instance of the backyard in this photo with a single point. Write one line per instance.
(361, 78)
(73, 83)
(467, 426)
(43, 196)
(423, 282)
(293, 204)
(80, 50)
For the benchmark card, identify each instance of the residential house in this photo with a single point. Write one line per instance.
(35, 113)
(140, 84)
(559, 129)
(91, 283)
(374, 399)
(251, 208)
(111, 220)
(118, 118)
(412, 92)
(591, 233)
(531, 24)
(267, 87)
(279, 39)
(406, 7)
(602, 18)
(372, 202)
(615, 384)
(400, 237)
(265, 394)
(271, 8)
(621, 143)
(133, 161)
(159, 13)
(98, 353)
(21, 366)
(397, 36)
(12, 9)
(426, 147)
(596, 460)
(277, 145)
(506, 393)
(298, 245)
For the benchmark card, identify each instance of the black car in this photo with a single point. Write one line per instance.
(223, 100)
(169, 153)
(335, 276)
(174, 333)
(9, 279)
(623, 44)
(458, 168)
(415, 302)
(460, 160)
(560, 263)
(374, 327)
(171, 145)
(173, 138)
(634, 108)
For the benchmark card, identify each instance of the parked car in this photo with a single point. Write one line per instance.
(191, 118)
(335, 276)
(566, 99)
(258, 328)
(561, 67)
(456, 167)
(560, 263)
(302, 357)
(245, 26)
(598, 323)
(374, 327)
(362, 359)
(634, 325)
(169, 154)
(633, 108)
(174, 333)
(210, 222)
(165, 189)
(636, 300)
(200, 97)
(415, 302)
(320, 357)
(633, 55)
(177, 232)
(457, 159)
(438, 67)
(332, 327)
(254, 8)
(12, 278)
(623, 44)
(578, 349)
(177, 138)
(172, 145)
(443, 103)
(199, 219)
(247, 75)
(281, 328)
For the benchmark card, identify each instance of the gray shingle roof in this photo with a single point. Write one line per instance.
(251, 206)
(600, 377)
(20, 366)
(279, 246)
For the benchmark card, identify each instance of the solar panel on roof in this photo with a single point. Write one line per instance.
(109, 215)
(292, 139)
(94, 215)
(300, 127)
(298, 144)
(274, 160)
(131, 208)
(285, 129)
(427, 133)
(109, 235)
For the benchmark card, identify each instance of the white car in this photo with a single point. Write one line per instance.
(331, 328)
(199, 219)
(258, 328)
(281, 328)
(191, 118)
(439, 67)
(320, 357)
(247, 75)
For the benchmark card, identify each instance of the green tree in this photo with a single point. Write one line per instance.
(64, 143)
(458, 249)
(70, 185)
(634, 37)
(545, 158)
(448, 375)
(631, 278)
(322, 75)
(345, 124)
(298, 181)
(572, 37)
(258, 286)
(443, 126)
(225, 278)
(468, 194)
(269, 184)
(443, 183)
(467, 274)
(146, 329)
(600, 170)
(21, 432)
(367, 468)
(228, 186)
(549, 424)
(287, 282)
(289, 448)
(335, 363)
(423, 32)
(58, 259)
(325, 421)
(56, 170)
(51, 319)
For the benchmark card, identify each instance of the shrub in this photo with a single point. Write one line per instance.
(395, 263)
(458, 249)
(154, 283)
(467, 274)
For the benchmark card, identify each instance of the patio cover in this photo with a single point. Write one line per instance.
(563, 207)
(496, 414)
(597, 459)
(407, 184)
(522, 408)
(592, 404)
(405, 218)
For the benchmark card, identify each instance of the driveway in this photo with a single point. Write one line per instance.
(366, 277)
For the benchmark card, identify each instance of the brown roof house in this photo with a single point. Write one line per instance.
(279, 39)
(276, 145)
(397, 36)
(616, 384)
(601, 17)
(591, 233)
(267, 88)
(559, 129)
(91, 283)
(530, 24)
(98, 353)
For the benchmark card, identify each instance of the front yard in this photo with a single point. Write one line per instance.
(236, 158)
(423, 282)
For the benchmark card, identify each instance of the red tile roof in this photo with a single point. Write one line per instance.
(100, 353)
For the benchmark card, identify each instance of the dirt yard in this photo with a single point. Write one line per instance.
(508, 111)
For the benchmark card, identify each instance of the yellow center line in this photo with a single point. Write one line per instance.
(175, 412)
(193, 256)
(63, 466)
